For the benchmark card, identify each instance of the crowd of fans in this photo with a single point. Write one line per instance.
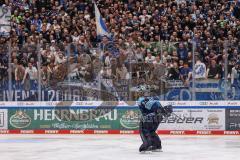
(48, 35)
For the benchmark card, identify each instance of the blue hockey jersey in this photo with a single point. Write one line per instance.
(149, 105)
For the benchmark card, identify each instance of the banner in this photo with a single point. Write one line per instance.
(111, 119)
(3, 119)
(232, 119)
(210, 89)
(126, 89)
(195, 119)
(5, 17)
(74, 119)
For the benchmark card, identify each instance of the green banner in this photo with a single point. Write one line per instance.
(74, 119)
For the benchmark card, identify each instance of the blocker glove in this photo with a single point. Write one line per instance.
(166, 111)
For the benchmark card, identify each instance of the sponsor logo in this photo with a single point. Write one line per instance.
(4, 131)
(29, 103)
(126, 132)
(177, 132)
(213, 122)
(75, 114)
(171, 103)
(101, 131)
(27, 131)
(51, 131)
(130, 120)
(213, 119)
(203, 103)
(20, 119)
(181, 103)
(231, 132)
(76, 132)
(183, 119)
(1, 119)
(204, 132)
(234, 125)
(234, 113)
(233, 119)
(213, 103)
(232, 103)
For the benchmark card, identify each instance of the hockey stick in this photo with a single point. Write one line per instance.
(176, 115)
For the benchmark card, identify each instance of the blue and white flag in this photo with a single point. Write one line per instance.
(101, 26)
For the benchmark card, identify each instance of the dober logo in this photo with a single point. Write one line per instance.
(130, 120)
(20, 120)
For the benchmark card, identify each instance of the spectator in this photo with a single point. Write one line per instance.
(19, 74)
(157, 60)
(60, 58)
(235, 75)
(173, 73)
(182, 52)
(236, 10)
(31, 73)
(175, 56)
(3, 71)
(185, 73)
(166, 57)
(121, 72)
(139, 55)
(214, 70)
(45, 76)
(150, 58)
(199, 69)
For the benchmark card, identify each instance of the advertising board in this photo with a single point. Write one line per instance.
(232, 119)
(195, 119)
(3, 119)
(74, 119)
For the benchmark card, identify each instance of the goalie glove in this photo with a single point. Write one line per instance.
(168, 110)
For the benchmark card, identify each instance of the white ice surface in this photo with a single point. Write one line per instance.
(116, 147)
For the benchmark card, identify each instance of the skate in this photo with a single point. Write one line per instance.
(157, 149)
(145, 150)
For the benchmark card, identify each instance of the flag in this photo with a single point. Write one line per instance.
(101, 26)
(103, 31)
(5, 17)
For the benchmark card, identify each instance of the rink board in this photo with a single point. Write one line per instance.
(162, 132)
(189, 118)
